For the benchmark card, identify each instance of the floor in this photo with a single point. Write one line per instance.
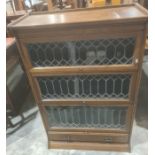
(30, 138)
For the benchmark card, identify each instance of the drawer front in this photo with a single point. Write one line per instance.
(87, 117)
(87, 137)
(84, 52)
(111, 86)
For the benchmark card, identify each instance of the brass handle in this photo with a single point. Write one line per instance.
(107, 139)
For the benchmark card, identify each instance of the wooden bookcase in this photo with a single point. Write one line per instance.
(84, 67)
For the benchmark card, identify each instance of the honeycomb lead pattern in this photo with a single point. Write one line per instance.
(87, 117)
(104, 51)
(90, 52)
(85, 86)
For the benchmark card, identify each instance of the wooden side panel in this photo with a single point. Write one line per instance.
(142, 39)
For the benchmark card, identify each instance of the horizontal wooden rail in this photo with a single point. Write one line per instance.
(85, 102)
(78, 70)
(86, 130)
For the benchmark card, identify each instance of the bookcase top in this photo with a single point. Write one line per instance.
(109, 14)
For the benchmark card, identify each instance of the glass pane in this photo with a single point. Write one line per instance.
(85, 86)
(87, 117)
(90, 52)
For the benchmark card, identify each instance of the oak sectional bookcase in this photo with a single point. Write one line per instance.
(84, 67)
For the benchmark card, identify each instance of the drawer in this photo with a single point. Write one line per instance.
(84, 52)
(88, 137)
